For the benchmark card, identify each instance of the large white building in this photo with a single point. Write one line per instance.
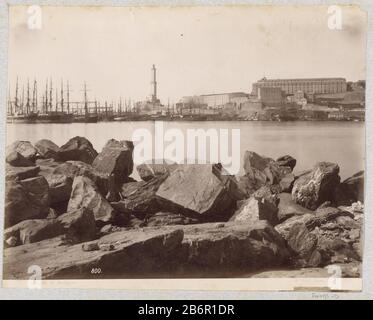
(308, 86)
(216, 100)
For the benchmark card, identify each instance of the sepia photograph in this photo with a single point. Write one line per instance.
(197, 147)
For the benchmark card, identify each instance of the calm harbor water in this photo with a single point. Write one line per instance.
(308, 142)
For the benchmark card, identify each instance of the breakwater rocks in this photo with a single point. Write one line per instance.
(70, 209)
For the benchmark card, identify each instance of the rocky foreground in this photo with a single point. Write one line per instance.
(77, 213)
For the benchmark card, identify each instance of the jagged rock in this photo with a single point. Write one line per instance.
(26, 199)
(115, 159)
(139, 198)
(262, 205)
(313, 189)
(202, 250)
(126, 144)
(199, 189)
(248, 185)
(79, 149)
(288, 208)
(286, 161)
(47, 149)
(15, 159)
(29, 231)
(60, 187)
(20, 173)
(215, 249)
(147, 171)
(351, 190)
(304, 243)
(85, 194)
(262, 168)
(325, 237)
(261, 171)
(168, 219)
(356, 185)
(25, 148)
(73, 169)
(287, 182)
(79, 225)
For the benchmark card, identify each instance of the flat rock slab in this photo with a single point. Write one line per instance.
(59, 260)
(193, 250)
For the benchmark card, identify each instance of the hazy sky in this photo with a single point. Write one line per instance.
(196, 50)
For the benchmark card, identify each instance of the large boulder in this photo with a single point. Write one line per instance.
(15, 159)
(25, 148)
(85, 194)
(79, 149)
(47, 149)
(26, 199)
(325, 237)
(139, 198)
(60, 187)
(200, 189)
(148, 171)
(115, 159)
(78, 225)
(29, 231)
(223, 249)
(262, 168)
(351, 190)
(286, 161)
(262, 205)
(263, 171)
(313, 189)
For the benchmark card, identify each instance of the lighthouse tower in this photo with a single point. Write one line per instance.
(154, 85)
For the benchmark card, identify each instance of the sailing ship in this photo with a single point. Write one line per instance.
(87, 116)
(58, 115)
(18, 110)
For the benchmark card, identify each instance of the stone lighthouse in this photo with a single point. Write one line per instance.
(154, 85)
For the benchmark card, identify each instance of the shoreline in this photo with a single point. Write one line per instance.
(72, 211)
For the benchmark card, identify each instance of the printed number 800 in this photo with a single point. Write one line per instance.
(95, 270)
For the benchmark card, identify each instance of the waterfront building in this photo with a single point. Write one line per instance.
(308, 86)
(218, 100)
(271, 96)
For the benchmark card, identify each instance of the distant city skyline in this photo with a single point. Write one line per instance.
(208, 50)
